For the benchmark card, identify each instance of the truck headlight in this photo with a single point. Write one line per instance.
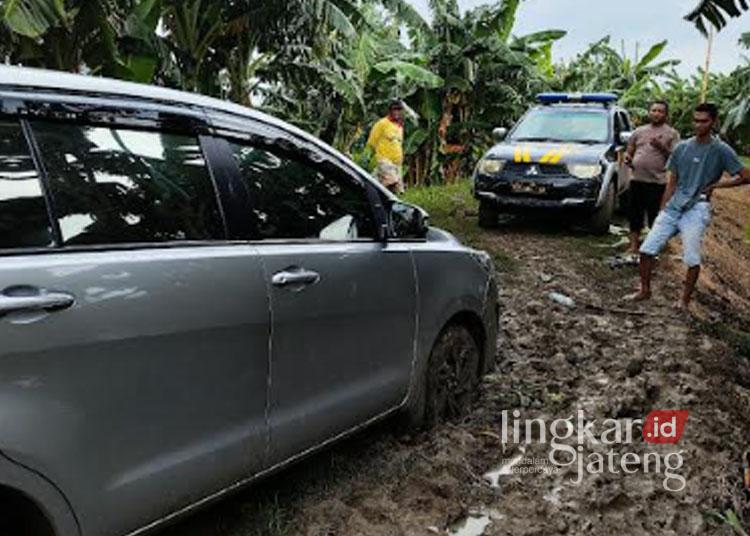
(490, 166)
(585, 171)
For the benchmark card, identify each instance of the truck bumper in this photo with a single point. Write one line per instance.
(519, 202)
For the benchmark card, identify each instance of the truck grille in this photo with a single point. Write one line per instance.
(515, 170)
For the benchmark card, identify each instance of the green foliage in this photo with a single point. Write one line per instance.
(331, 66)
(716, 12)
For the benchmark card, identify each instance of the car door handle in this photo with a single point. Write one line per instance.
(12, 301)
(292, 277)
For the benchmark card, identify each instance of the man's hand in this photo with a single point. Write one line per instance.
(657, 144)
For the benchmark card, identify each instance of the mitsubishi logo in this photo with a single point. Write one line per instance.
(533, 171)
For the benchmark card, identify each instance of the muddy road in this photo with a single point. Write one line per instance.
(611, 361)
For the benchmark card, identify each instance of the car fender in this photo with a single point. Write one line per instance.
(43, 493)
(442, 297)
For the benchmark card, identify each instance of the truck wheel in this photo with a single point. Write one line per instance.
(488, 215)
(601, 218)
(448, 384)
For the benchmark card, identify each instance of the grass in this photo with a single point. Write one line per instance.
(452, 207)
(737, 339)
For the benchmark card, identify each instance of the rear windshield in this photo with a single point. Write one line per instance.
(565, 125)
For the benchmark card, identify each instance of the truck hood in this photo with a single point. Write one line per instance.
(549, 152)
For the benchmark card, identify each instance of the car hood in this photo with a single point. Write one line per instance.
(548, 152)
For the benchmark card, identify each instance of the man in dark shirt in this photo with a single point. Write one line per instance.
(695, 170)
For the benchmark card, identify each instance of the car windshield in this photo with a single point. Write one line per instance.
(565, 125)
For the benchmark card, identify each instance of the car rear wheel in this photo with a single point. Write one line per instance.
(20, 517)
(449, 384)
(488, 214)
(601, 218)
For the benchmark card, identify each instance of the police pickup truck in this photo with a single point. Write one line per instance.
(565, 154)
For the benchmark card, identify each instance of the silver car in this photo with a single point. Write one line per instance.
(194, 295)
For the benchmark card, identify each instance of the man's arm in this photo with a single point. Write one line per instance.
(740, 174)
(743, 177)
(630, 151)
(670, 189)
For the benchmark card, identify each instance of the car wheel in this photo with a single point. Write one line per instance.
(488, 215)
(601, 218)
(448, 384)
(452, 376)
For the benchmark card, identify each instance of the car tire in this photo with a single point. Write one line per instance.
(448, 384)
(20, 523)
(488, 214)
(600, 220)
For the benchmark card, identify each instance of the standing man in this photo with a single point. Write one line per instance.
(647, 155)
(695, 171)
(386, 141)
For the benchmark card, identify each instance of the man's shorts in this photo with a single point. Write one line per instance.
(691, 225)
(645, 202)
(389, 175)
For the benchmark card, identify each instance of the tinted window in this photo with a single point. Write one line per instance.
(23, 212)
(296, 198)
(625, 122)
(116, 185)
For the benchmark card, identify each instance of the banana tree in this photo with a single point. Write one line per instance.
(488, 78)
(716, 13)
(87, 36)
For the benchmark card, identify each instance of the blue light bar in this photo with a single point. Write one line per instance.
(553, 98)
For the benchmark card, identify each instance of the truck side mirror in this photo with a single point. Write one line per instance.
(499, 134)
(625, 137)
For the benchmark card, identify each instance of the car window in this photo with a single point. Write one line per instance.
(564, 125)
(295, 198)
(127, 186)
(24, 219)
(625, 122)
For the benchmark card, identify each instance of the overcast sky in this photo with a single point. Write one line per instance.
(643, 21)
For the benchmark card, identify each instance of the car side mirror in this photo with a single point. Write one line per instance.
(625, 137)
(499, 134)
(407, 221)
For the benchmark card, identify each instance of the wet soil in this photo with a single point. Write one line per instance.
(606, 358)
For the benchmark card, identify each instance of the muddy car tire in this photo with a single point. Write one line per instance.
(488, 215)
(448, 384)
(602, 217)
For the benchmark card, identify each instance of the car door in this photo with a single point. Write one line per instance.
(343, 304)
(623, 172)
(134, 355)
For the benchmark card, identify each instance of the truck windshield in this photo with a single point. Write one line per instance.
(564, 125)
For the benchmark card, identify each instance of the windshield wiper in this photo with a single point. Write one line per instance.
(553, 140)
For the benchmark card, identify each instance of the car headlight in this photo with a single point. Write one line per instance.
(585, 171)
(490, 166)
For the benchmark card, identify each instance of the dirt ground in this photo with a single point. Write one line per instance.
(609, 359)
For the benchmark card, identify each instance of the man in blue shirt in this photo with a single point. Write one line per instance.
(695, 170)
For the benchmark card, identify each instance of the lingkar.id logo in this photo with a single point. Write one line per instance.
(568, 439)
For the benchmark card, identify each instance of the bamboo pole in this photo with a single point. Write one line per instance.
(707, 66)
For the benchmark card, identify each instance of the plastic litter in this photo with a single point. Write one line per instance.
(562, 299)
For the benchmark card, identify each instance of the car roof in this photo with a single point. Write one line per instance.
(28, 78)
(31, 78)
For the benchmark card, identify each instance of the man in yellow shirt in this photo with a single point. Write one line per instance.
(386, 141)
